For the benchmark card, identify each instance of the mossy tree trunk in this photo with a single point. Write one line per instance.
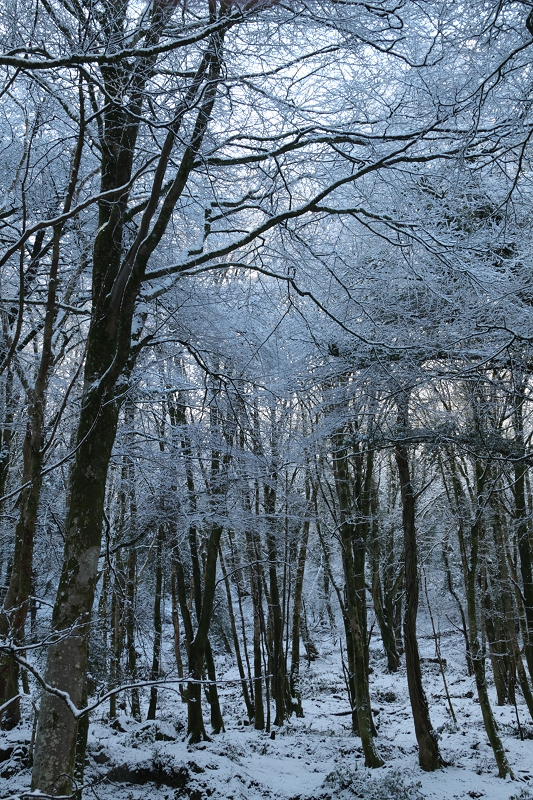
(116, 283)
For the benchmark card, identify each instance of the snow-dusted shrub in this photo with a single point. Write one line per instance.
(386, 696)
(522, 794)
(379, 785)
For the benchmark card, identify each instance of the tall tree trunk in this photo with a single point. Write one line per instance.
(130, 589)
(67, 657)
(428, 750)
(117, 632)
(383, 605)
(297, 608)
(254, 555)
(451, 589)
(175, 616)
(239, 582)
(115, 287)
(129, 625)
(197, 648)
(217, 723)
(523, 536)
(471, 576)
(275, 628)
(278, 654)
(158, 628)
(353, 560)
(15, 611)
(506, 582)
(6, 431)
(492, 618)
(236, 643)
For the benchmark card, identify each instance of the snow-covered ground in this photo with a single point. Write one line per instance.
(316, 757)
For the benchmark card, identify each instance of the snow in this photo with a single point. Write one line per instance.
(314, 758)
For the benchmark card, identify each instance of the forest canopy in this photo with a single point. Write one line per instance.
(265, 351)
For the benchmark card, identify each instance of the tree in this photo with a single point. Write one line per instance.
(216, 152)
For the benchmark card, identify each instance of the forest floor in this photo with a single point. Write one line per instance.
(314, 758)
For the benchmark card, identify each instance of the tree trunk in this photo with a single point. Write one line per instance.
(428, 751)
(156, 659)
(353, 560)
(471, 575)
(117, 635)
(129, 624)
(116, 283)
(175, 616)
(6, 431)
(524, 550)
(278, 654)
(197, 649)
(217, 723)
(67, 657)
(13, 618)
(296, 618)
(257, 603)
(451, 589)
(499, 651)
(236, 644)
(383, 607)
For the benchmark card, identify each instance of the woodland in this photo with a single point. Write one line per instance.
(266, 366)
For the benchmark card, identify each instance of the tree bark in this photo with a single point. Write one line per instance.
(197, 649)
(129, 624)
(115, 288)
(16, 605)
(257, 604)
(158, 628)
(353, 559)
(383, 601)
(236, 643)
(297, 610)
(428, 750)
(471, 577)
(117, 632)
